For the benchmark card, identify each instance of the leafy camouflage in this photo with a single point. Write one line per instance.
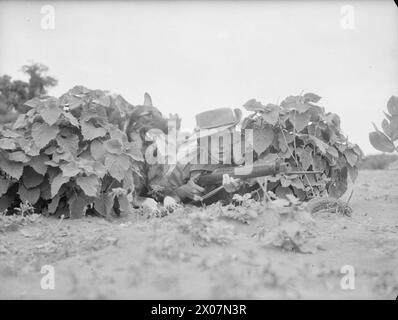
(308, 138)
(66, 153)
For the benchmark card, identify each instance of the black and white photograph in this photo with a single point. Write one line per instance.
(198, 150)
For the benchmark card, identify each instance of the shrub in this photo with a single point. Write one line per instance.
(304, 135)
(66, 153)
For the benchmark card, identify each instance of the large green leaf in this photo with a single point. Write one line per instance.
(124, 204)
(90, 132)
(311, 97)
(351, 156)
(262, 139)
(53, 205)
(18, 156)
(114, 146)
(57, 183)
(70, 169)
(305, 157)
(4, 184)
(97, 151)
(254, 105)
(13, 169)
(104, 204)
(299, 120)
(271, 114)
(392, 105)
(30, 195)
(134, 151)
(90, 185)
(77, 207)
(31, 178)
(7, 144)
(38, 164)
(117, 166)
(394, 127)
(381, 142)
(42, 133)
(51, 111)
(68, 142)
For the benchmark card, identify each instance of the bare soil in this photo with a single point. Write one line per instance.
(135, 258)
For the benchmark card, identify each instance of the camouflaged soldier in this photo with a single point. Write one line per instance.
(201, 153)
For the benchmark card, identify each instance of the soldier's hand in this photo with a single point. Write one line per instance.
(170, 204)
(190, 190)
(231, 184)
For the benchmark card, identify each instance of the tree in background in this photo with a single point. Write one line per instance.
(14, 93)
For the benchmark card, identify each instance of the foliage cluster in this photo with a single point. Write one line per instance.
(303, 134)
(384, 140)
(70, 152)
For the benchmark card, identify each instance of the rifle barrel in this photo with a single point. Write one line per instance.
(247, 172)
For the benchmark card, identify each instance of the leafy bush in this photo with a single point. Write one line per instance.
(384, 141)
(304, 135)
(66, 153)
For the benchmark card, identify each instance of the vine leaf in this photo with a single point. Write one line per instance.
(51, 112)
(31, 178)
(386, 128)
(7, 144)
(333, 151)
(322, 146)
(380, 141)
(254, 105)
(117, 166)
(34, 103)
(70, 169)
(18, 156)
(89, 185)
(311, 97)
(394, 127)
(134, 151)
(53, 205)
(353, 173)
(57, 183)
(262, 139)
(299, 120)
(30, 195)
(392, 105)
(4, 184)
(271, 114)
(305, 156)
(97, 151)
(114, 146)
(351, 157)
(42, 134)
(104, 204)
(77, 207)
(13, 169)
(90, 132)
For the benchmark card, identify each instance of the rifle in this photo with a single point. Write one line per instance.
(246, 172)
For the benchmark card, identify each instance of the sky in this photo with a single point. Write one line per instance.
(192, 56)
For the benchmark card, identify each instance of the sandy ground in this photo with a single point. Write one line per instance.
(133, 258)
